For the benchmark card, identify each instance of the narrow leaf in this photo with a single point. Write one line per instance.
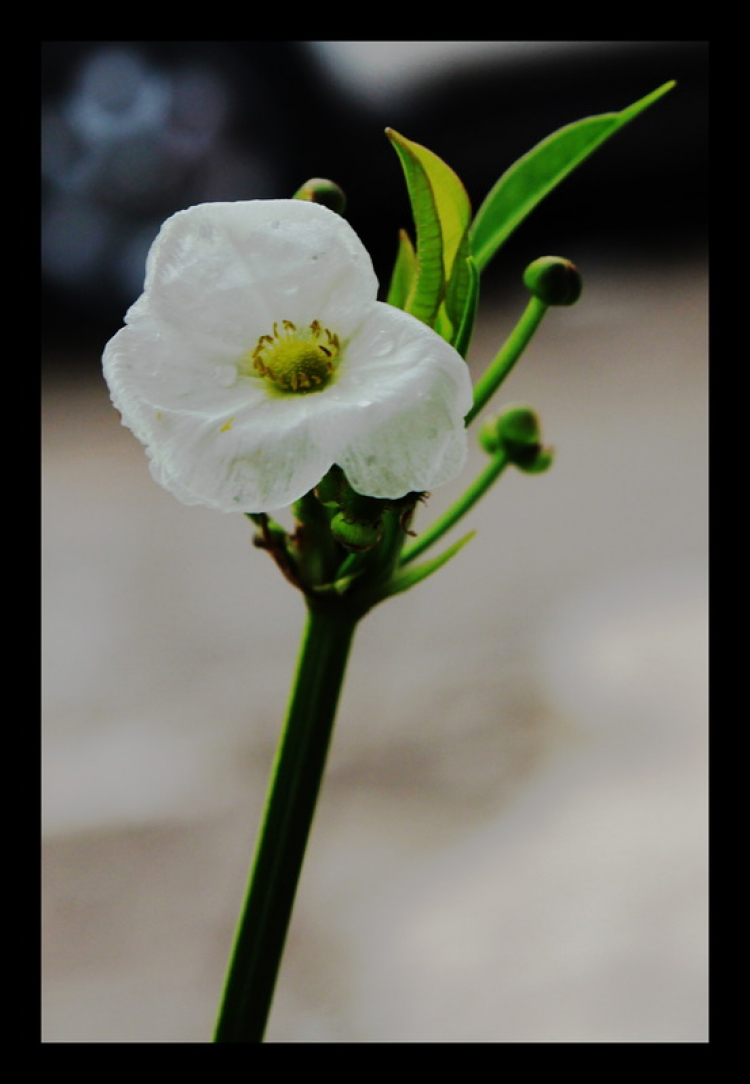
(457, 312)
(428, 284)
(460, 289)
(451, 201)
(535, 174)
(453, 209)
(462, 337)
(404, 272)
(409, 578)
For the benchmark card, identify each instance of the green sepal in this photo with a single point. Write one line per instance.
(536, 173)
(354, 536)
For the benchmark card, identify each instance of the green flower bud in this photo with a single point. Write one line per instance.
(553, 280)
(535, 461)
(319, 190)
(517, 435)
(355, 536)
(518, 425)
(489, 438)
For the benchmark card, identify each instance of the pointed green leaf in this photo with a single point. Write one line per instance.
(404, 272)
(451, 201)
(449, 204)
(461, 293)
(534, 175)
(427, 288)
(457, 312)
(402, 581)
(462, 337)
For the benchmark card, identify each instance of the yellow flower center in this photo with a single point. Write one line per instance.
(296, 359)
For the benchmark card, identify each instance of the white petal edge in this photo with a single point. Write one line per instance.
(224, 272)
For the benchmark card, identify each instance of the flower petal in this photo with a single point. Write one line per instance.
(219, 277)
(238, 468)
(410, 391)
(151, 366)
(224, 272)
(416, 448)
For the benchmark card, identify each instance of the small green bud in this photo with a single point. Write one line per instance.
(516, 433)
(518, 425)
(535, 461)
(489, 438)
(319, 190)
(355, 536)
(553, 280)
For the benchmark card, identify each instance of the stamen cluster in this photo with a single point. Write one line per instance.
(297, 360)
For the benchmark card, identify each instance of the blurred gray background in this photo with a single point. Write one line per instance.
(511, 842)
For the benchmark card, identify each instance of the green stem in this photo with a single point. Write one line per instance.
(485, 388)
(467, 500)
(290, 806)
(507, 357)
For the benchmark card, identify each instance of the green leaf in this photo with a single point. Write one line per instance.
(403, 580)
(404, 272)
(534, 175)
(442, 214)
(427, 288)
(461, 296)
(462, 337)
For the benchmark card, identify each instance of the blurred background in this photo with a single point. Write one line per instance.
(510, 845)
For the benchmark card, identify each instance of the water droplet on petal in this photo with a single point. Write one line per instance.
(289, 288)
(225, 375)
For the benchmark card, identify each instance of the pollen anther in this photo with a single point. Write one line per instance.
(295, 360)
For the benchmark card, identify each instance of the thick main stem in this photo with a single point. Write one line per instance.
(290, 807)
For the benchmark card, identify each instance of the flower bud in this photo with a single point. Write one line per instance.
(553, 280)
(541, 460)
(489, 438)
(518, 425)
(355, 536)
(320, 190)
(517, 435)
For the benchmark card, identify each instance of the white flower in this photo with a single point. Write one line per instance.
(258, 356)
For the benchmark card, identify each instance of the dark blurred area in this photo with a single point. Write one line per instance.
(134, 131)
